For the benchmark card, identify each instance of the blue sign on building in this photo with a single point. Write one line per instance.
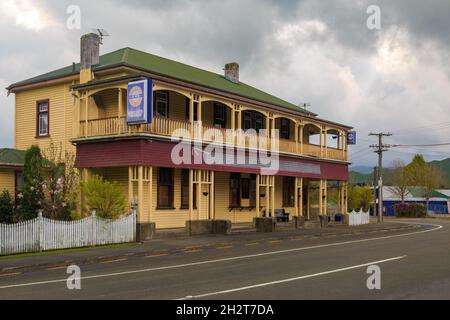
(139, 102)
(351, 138)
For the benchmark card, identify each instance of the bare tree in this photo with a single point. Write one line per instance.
(60, 183)
(400, 181)
(432, 178)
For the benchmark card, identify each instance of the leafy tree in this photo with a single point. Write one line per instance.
(421, 174)
(360, 198)
(6, 207)
(400, 181)
(104, 196)
(60, 183)
(32, 192)
(415, 171)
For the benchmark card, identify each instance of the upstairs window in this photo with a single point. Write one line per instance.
(285, 128)
(43, 117)
(253, 120)
(188, 110)
(259, 122)
(247, 120)
(162, 104)
(220, 116)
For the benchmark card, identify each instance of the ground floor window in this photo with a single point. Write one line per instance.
(185, 191)
(288, 192)
(242, 188)
(165, 188)
(235, 190)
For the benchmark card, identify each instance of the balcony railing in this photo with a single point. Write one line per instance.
(166, 127)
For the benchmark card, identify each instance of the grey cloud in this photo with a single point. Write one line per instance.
(337, 70)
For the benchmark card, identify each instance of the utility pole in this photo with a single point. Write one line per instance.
(380, 149)
(374, 184)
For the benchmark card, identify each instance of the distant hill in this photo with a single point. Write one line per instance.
(361, 169)
(363, 177)
(444, 165)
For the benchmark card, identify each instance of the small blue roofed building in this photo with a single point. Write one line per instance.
(439, 203)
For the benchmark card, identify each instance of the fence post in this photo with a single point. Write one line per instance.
(94, 227)
(134, 210)
(40, 221)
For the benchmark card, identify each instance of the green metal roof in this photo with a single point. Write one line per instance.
(417, 192)
(12, 157)
(170, 68)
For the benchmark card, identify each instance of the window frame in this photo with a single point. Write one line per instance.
(170, 186)
(38, 118)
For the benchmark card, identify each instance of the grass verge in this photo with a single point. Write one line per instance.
(52, 252)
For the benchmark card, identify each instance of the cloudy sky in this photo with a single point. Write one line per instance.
(395, 79)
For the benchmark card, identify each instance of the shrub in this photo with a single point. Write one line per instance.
(6, 207)
(404, 210)
(360, 198)
(104, 196)
(32, 191)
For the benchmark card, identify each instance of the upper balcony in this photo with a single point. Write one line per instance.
(102, 114)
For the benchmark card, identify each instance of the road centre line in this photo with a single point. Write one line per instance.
(266, 284)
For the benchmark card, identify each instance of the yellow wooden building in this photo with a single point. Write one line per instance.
(85, 108)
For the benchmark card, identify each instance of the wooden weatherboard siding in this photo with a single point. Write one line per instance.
(7, 177)
(62, 115)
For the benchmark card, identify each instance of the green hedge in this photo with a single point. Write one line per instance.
(410, 210)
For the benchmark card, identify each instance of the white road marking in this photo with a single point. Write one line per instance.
(266, 284)
(437, 227)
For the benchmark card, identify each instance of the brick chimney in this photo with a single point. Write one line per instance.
(89, 56)
(232, 72)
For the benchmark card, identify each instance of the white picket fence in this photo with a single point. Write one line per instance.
(43, 234)
(359, 218)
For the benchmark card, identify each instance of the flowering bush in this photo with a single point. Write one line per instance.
(6, 207)
(405, 210)
(59, 184)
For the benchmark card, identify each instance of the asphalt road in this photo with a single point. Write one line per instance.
(414, 264)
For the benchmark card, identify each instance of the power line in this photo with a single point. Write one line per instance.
(423, 145)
